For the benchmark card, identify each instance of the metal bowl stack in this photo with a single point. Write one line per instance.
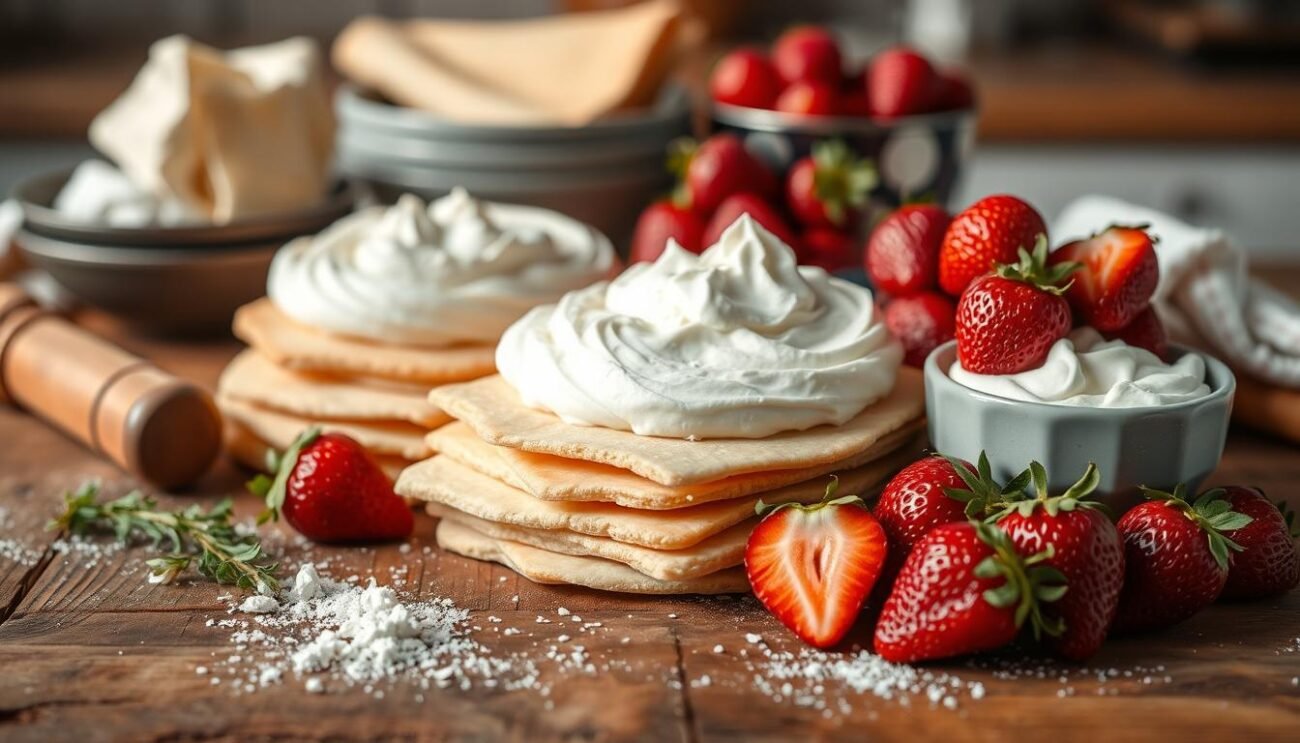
(165, 280)
(603, 174)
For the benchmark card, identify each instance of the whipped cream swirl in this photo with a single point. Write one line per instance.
(1085, 369)
(737, 342)
(458, 270)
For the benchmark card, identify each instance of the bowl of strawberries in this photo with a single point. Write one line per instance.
(912, 122)
(1058, 355)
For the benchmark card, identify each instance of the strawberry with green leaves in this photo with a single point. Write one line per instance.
(1085, 547)
(965, 588)
(813, 566)
(1008, 320)
(829, 187)
(1176, 556)
(330, 489)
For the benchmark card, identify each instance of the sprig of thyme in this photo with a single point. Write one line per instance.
(206, 539)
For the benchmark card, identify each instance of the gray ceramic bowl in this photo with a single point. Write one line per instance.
(1154, 446)
(163, 280)
(603, 173)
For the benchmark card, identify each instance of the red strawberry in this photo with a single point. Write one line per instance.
(813, 566)
(954, 92)
(1007, 321)
(1144, 331)
(900, 82)
(1085, 547)
(745, 78)
(903, 250)
(1175, 557)
(1268, 563)
(753, 205)
(330, 489)
(963, 589)
(934, 491)
(986, 233)
(717, 168)
(921, 322)
(807, 53)
(826, 248)
(827, 188)
(1118, 274)
(661, 221)
(854, 103)
(809, 99)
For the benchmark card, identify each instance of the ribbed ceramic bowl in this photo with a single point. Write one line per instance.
(603, 173)
(1154, 446)
(163, 280)
(917, 158)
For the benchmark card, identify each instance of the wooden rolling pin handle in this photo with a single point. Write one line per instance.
(163, 429)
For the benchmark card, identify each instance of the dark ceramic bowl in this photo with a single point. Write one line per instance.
(163, 280)
(917, 158)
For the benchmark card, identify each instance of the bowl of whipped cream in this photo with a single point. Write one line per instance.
(1144, 420)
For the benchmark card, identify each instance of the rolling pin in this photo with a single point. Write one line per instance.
(163, 429)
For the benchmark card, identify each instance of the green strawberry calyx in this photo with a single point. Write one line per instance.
(274, 490)
(983, 495)
(841, 180)
(680, 153)
(1076, 496)
(1028, 582)
(829, 499)
(1211, 512)
(1032, 268)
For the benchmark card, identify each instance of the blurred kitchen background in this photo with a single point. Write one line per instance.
(1190, 106)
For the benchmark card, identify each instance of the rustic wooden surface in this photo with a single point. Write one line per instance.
(89, 651)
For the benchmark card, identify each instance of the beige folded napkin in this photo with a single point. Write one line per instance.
(230, 134)
(568, 69)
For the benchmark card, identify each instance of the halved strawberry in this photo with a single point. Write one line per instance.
(1118, 273)
(813, 566)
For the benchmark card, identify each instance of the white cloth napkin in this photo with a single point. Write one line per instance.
(230, 134)
(1205, 296)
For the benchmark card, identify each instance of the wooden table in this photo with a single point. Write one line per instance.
(89, 651)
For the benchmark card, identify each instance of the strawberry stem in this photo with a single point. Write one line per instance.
(828, 499)
(273, 491)
(1032, 268)
(982, 493)
(841, 180)
(1211, 512)
(1029, 584)
(1075, 496)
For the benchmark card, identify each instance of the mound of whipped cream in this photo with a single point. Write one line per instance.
(736, 342)
(458, 270)
(1084, 369)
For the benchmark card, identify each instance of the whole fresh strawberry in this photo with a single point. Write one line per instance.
(718, 167)
(1117, 274)
(661, 221)
(964, 588)
(1144, 331)
(903, 250)
(755, 206)
(809, 98)
(921, 322)
(900, 82)
(330, 489)
(813, 566)
(933, 491)
(829, 187)
(991, 231)
(1086, 548)
(807, 53)
(745, 78)
(1008, 320)
(1176, 557)
(826, 248)
(1268, 563)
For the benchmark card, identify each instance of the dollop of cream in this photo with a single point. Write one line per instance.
(736, 342)
(99, 193)
(458, 270)
(1084, 369)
